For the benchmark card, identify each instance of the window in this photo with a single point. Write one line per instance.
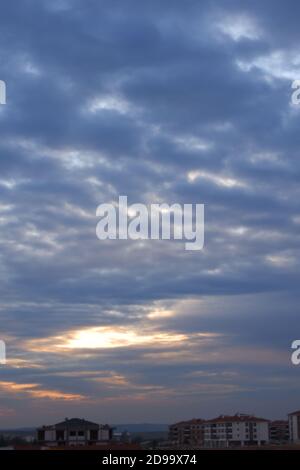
(41, 435)
(59, 435)
(94, 435)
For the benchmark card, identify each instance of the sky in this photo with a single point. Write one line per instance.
(175, 102)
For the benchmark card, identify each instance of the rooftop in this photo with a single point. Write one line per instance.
(296, 413)
(237, 418)
(75, 423)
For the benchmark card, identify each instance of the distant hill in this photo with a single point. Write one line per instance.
(141, 427)
(17, 431)
(131, 428)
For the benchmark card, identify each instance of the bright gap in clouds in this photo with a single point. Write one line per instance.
(94, 338)
(239, 26)
(219, 180)
(107, 337)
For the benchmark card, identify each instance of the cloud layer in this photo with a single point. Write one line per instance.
(160, 102)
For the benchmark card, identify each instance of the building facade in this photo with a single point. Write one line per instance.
(187, 433)
(279, 432)
(235, 431)
(74, 431)
(294, 426)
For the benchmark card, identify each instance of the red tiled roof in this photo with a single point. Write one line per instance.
(74, 423)
(236, 419)
(278, 422)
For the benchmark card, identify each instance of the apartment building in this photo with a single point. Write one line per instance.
(279, 432)
(75, 432)
(187, 432)
(234, 431)
(294, 426)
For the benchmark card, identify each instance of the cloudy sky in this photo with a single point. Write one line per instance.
(181, 101)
